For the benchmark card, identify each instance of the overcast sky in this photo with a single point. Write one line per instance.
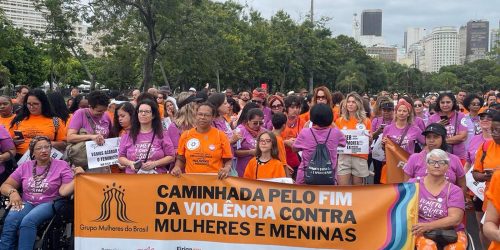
(397, 15)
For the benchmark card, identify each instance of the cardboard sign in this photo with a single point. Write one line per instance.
(476, 187)
(104, 155)
(358, 142)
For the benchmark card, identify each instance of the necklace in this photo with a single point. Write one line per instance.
(38, 178)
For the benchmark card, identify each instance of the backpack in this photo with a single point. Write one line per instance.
(319, 170)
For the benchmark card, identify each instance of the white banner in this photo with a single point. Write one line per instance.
(358, 142)
(476, 187)
(55, 154)
(104, 155)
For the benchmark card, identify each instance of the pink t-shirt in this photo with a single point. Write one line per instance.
(175, 134)
(48, 189)
(461, 126)
(223, 126)
(102, 124)
(6, 144)
(474, 145)
(432, 208)
(420, 123)
(378, 121)
(160, 148)
(247, 142)
(305, 142)
(416, 167)
(413, 135)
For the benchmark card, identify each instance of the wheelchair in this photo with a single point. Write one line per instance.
(56, 233)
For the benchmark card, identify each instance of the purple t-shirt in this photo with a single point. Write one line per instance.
(474, 145)
(432, 208)
(378, 121)
(461, 126)
(417, 167)
(305, 142)
(245, 143)
(223, 126)
(6, 144)
(268, 115)
(420, 123)
(413, 135)
(48, 189)
(137, 151)
(175, 134)
(79, 120)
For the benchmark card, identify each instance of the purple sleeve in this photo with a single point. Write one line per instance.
(456, 197)
(420, 123)
(6, 143)
(434, 118)
(18, 173)
(461, 121)
(457, 166)
(173, 133)
(77, 120)
(341, 137)
(375, 123)
(65, 172)
(122, 150)
(168, 147)
(420, 137)
(386, 130)
(409, 167)
(301, 139)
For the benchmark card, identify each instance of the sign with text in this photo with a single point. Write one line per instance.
(54, 153)
(358, 142)
(104, 155)
(476, 187)
(117, 211)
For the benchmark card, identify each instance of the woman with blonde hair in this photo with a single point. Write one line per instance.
(185, 118)
(352, 168)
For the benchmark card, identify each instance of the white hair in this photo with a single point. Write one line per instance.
(438, 153)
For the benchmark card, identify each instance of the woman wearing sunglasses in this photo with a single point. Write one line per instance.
(249, 130)
(321, 95)
(473, 104)
(420, 110)
(259, 96)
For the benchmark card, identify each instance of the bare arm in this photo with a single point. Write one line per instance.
(74, 137)
(124, 162)
(481, 177)
(453, 219)
(67, 189)
(457, 139)
(491, 228)
(244, 152)
(5, 156)
(180, 164)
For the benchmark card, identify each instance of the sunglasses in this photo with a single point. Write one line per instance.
(485, 118)
(255, 123)
(417, 105)
(320, 97)
(276, 106)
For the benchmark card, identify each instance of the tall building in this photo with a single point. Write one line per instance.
(462, 44)
(477, 40)
(440, 48)
(388, 54)
(412, 36)
(371, 22)
(494, 38)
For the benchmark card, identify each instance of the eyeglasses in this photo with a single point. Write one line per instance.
(485, 118)
(475, 104)
(276, 106)
(255, 123)
(257, 101)
(145, 112)
(159, 97)
(33, 104)
(417, 105)
(320, 97)
(40, 148)
(265, 141)
(441, 163)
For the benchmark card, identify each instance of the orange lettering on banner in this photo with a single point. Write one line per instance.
(396, 158)
(200, 208)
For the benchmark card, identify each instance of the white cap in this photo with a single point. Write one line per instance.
(192, 89)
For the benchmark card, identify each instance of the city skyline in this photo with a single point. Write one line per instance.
(397, 15)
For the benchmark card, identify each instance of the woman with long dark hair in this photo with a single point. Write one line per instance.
(245, 147)
(59, 107)
(122, 118)
(36, 118)
(146, 148)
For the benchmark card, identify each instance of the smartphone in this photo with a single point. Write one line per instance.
(444, 117)
(488, 171)
(138, 165)
(19, 134)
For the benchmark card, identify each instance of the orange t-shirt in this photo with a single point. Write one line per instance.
(493, 196)
(204, 152)
(38, 125)
(6, 123)
(111, 117)
(336, 114)
(271, 169)
(281, 148)
(352, 123)
(289, 132)
(491, 161)
(161, 109)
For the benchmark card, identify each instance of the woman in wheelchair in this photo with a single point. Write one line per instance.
(441, 207)
(42, 181)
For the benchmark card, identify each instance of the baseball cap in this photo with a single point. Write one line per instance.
(490, 112)
(435, 128)
(387, 105)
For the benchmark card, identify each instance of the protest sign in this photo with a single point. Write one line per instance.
(104, 155)
(54, 153)
(476, 187)
(358, 142)
(396, 158)
(117, 211)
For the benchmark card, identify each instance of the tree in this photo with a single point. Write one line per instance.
(446, 80)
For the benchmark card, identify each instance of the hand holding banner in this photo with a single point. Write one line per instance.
(104, 155)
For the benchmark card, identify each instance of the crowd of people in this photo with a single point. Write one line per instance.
(256, 135)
